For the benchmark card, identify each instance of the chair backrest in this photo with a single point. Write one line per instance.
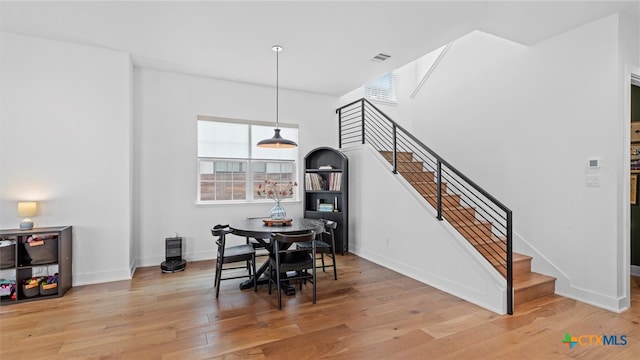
(292, 238)
(220, 231)
(329, 224)
(329, 227)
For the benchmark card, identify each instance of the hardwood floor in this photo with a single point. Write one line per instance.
(369, 313)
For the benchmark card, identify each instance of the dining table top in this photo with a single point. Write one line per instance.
(257, 227)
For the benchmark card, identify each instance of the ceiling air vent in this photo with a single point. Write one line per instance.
(380, 57)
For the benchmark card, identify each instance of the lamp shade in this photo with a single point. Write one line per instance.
(27, 208)
(277, 142)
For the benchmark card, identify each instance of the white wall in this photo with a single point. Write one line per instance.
(523, 122)
(391, 226)
(65, 141)
(166, 106)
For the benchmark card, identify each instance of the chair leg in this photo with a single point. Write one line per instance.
(215, 276)
(335, 270)
(278, 289)
(253, 267)
(314, 283)
(322, 257)
(270, 270)
(218, 276)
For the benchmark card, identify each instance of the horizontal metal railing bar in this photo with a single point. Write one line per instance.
(419, 153)
(349, 104)
(349, 117)
(488, 205)
(444, 162)
(379, 140)
(477, 215)
(352, 131)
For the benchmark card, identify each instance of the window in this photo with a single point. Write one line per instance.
(231, 166)
(382, 88)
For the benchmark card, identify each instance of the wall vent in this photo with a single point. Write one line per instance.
(380, 57)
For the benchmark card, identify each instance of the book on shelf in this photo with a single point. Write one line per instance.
(314, 182)
(325, 207)
(325, 167)
(335, 181)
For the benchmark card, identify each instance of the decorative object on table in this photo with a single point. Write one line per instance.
(276, 191)
(27, 209)
(276, 222)
(277, 141)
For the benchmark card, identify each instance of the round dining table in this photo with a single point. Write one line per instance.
(258, 229)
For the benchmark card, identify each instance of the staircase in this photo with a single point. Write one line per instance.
(527, 285)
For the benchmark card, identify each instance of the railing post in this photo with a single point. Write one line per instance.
(340, 129)
(362, 115)
(509, 262)
(439, 189)
(395, 150)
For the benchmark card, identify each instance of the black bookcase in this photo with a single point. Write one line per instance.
(326, 191)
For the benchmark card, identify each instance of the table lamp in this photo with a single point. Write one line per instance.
(27, 209)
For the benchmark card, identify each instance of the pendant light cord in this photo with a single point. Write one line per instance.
(277, 86)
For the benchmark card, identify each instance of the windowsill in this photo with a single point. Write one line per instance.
(225, 203)
(383, 102)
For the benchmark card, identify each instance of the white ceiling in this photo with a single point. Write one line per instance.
(327, 45)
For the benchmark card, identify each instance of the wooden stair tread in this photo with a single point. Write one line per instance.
(470, 223)
(527, 280)
(527, 285)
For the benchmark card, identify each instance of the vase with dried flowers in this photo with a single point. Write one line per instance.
(276, 191)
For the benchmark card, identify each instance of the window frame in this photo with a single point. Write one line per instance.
(391, 94)
(250, 196)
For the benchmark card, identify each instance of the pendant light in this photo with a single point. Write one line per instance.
(277, 141)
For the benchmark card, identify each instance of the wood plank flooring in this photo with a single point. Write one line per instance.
(369, 313)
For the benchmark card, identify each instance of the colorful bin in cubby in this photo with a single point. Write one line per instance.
(48, 289)
(31, 289)
(42, 251)
(7, 254)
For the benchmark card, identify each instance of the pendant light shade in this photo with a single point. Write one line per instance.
(277, 141)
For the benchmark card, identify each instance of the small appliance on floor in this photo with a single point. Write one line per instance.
(173, 251)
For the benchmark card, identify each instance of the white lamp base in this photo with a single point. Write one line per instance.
(26, 224)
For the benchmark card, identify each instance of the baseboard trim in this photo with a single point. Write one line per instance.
(482, 299)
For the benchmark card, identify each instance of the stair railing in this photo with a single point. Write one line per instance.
(476, 214)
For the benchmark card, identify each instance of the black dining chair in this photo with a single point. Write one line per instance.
(286, 257)
(232, 254)
(326, 244)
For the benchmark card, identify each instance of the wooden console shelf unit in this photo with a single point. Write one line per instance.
(24, 269)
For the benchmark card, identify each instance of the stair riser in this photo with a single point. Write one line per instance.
(521, 267)
(533, 292)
